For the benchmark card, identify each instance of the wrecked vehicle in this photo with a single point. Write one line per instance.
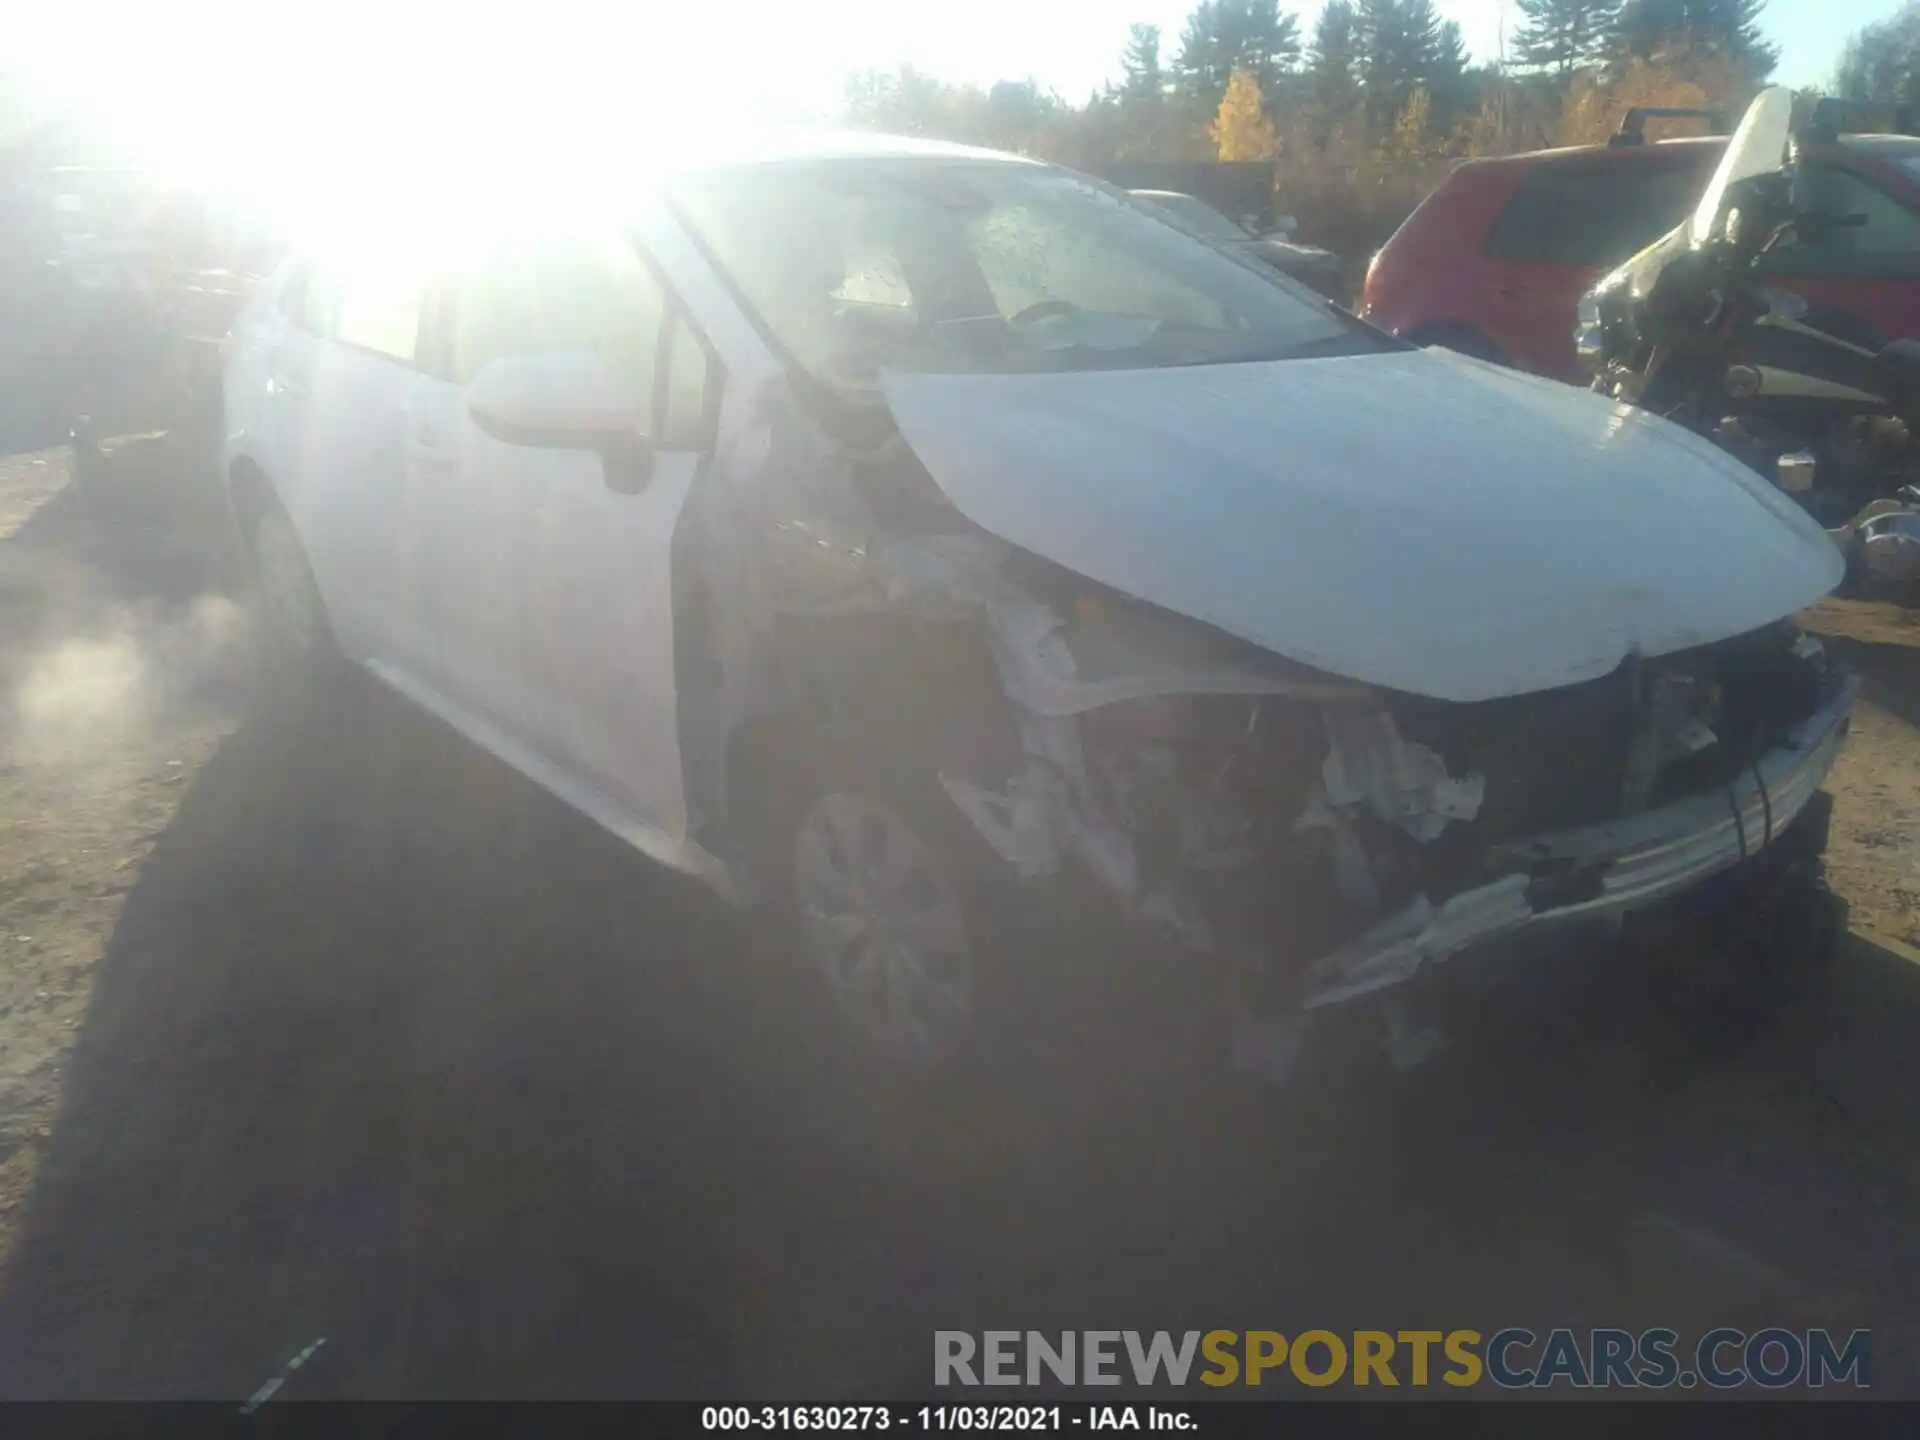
(917, 540)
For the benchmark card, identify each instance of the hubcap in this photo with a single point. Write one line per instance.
(884, 925)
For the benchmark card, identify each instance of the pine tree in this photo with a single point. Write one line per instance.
(1333, 62)
(1446, 77)
(1447, 60)
(1560, 36)
(1400, 48)
(1140, 64)
(1222, 36)
(1730, 29)
(1881, 62)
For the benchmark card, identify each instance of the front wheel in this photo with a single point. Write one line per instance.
(881, 920)
(884, 906)
(297, 650)
(937, 1005)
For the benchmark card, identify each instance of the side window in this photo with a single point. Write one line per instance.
(576, 295)
(312, 301)
(1592, 215)
(1887, 246)
(380, 313)
(690, 392)
(1520, 231)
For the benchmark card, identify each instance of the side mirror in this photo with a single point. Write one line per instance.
(565, 400)
(1285, 227)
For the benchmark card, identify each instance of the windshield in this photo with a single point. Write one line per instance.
(1758, 147)
(862, 266)
(1195, 214)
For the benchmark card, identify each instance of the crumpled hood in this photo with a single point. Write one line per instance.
(1414, 519)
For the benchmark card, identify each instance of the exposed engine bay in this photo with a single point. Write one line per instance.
(1331, 838)
(1343, 838)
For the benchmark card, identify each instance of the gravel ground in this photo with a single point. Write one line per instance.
(351, 1034)
(1874, 855)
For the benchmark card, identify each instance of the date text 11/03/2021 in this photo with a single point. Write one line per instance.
(935, 1419)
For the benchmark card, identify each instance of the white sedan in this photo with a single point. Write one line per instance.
(908, 537)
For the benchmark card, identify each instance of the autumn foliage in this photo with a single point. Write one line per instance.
(1241, 129)
(1362, 117)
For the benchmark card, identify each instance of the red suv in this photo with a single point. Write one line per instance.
(1494, 261)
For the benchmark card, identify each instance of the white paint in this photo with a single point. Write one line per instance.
(508, 583)
(565, 393)
(1417, 520)
(1758, 147)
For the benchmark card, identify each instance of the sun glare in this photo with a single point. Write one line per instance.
(358, 126)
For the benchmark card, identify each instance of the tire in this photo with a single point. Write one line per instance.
(860, 849)
(299, 660)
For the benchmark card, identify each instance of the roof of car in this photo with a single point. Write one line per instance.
(774, 147)
(561, 204)
(1680, 144)
(1894, 146)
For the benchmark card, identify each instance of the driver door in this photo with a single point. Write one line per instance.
(555, 575)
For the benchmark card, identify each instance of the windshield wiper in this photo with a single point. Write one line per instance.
(1349, 342)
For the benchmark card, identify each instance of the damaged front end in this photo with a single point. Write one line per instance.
(1333, 840)
(1326, 839)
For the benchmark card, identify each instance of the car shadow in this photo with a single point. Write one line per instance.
(389, 1049)
(363, 1042)
(1882, 640)
(379, 1052)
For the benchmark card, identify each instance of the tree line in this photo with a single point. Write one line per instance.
(1361, 112)
(1881, 63)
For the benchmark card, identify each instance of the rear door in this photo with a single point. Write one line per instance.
(1567, 223)
(341, 378)
(1870, 272)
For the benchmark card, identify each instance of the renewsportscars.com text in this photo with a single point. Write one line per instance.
(1514, 1358)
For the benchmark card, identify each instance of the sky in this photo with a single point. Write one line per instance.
(263, 90)
(1073, 46)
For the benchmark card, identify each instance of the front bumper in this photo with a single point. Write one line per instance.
(1601, 871)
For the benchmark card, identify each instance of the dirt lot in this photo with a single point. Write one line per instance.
(105, 661)
(347, 1033)
(1875, 853)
